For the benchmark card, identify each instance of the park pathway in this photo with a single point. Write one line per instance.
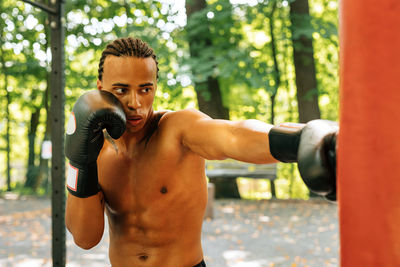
(243, 233)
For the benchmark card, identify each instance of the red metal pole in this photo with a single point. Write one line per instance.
(369, 139)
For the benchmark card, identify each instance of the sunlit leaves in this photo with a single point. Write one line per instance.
(239, 56)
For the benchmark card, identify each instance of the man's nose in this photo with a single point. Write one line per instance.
(134, 101)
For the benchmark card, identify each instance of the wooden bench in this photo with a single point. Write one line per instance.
(221, 172)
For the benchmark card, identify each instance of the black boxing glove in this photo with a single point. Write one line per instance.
(313, 147)
(92, 112)
(317, 157)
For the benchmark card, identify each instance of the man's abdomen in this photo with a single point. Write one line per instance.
(164, 236)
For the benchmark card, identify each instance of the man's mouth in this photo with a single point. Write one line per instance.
(134, 120)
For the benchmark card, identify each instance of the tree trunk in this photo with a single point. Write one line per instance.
(209, 99)
(43, 171)
(8, 116)
(208, 92)
(8, 144)
(32, 169)
(303, 54)
(277, 74)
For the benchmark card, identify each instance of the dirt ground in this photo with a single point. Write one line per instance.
(242, 234)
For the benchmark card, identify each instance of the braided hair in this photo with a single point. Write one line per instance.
(128, 47)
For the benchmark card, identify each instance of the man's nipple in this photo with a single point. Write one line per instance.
(163, 190)
(143, 257)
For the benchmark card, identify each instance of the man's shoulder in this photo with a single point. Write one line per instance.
(182, 115)
(181, 120)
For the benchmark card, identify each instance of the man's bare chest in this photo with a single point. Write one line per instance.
(153, 179)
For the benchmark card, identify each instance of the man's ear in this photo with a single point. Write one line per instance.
(99, 86)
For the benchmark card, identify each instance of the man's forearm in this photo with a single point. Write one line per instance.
(84, 218)
(251, 142)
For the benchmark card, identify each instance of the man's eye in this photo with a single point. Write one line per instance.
(146, 90)
(120, 90)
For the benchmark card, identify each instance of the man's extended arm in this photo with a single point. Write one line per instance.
(311, 145)
(220, 139)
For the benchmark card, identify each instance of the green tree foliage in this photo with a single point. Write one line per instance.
(20, 39)
(251, 57)
(326, 43)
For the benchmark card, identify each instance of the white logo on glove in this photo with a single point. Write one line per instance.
(72, 177)
(71, 126)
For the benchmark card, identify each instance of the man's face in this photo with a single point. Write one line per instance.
(134, 82)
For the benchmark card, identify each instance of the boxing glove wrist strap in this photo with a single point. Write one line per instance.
(82, 181)
(284, 141)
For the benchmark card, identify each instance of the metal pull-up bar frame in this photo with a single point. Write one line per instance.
(55, 10)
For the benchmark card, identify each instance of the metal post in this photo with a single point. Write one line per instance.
(55, 10)
(57, 132)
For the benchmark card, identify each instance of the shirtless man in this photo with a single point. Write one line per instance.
(150, 179)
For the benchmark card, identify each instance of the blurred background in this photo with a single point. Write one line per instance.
(272, 60)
